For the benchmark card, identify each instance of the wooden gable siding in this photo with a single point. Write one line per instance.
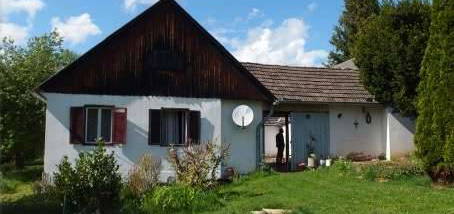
(123, 63)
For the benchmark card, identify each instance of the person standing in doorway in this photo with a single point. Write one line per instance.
(280, 144)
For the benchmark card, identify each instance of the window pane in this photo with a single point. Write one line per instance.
(174, 127)
(92, 124)
(106, 118)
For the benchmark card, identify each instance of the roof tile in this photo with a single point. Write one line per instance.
(311, 84)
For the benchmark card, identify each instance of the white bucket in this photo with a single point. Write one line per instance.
(310, 162)
(328, 162)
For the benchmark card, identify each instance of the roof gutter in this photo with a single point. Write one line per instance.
(260, 149)
(38, 95)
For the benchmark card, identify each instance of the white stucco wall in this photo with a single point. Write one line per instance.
(57, 127)
(242, 141)
(367, 138)
(400, 132)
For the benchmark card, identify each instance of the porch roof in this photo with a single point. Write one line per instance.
(312, 84)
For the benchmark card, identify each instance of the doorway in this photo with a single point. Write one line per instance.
(271, 129)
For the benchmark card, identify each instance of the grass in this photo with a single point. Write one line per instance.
(310, 192)
(325, 191)
(16, 191)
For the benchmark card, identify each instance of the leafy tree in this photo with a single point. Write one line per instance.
(389, 50)
(355, 14)
(435, 124)
(22, 114)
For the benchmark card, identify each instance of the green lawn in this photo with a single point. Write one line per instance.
(16, 192)
(323, 191)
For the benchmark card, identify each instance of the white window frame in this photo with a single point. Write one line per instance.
(98, 128)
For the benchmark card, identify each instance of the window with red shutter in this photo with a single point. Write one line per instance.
(98, 124)
(119, 125)
(90, 123)
(77, 125)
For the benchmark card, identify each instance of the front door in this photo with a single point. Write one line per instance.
(310, 131)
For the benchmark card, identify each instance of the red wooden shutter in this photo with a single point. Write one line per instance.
(119, 125)
(77, 125)
(154, 127)
(194, 127)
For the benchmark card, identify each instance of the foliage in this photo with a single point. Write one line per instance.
(144, 176)
(198, 164)
(389, 49)
(342, 166)
(92, 183)
(179, 198)
(384, 170)
(130, 202)
(21, 114)
(7, 186)
(434, 137)
(344, 36)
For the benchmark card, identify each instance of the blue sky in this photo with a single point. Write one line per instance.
(293, 32)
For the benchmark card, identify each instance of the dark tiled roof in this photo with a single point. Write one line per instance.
(311, 84)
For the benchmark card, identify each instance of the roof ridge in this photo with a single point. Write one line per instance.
(297, 66)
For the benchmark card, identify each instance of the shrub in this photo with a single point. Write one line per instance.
(342, 166)
(130, 202)
(179, 198)
(144, 176)
(390, 170)
(44, 189)
(198, 164)
(92, 184)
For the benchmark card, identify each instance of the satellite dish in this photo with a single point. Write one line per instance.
(242, 116)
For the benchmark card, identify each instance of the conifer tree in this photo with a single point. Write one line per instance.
(354, 15)
(435, 124)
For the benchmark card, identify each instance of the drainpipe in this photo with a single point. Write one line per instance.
(260, 148)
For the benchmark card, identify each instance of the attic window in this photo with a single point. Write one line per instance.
(164, 60)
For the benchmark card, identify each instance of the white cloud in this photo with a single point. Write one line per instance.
(132, 4)
(284, 45)
(312, 6)
(13, 31)
(75, 29)
(17, 6)
(255, 13)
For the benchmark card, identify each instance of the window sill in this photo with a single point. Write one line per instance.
(168, 146)
(95, 144)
